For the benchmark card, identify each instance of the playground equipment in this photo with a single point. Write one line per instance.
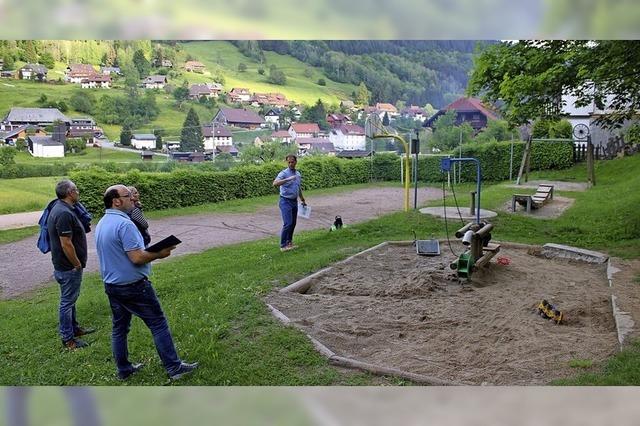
(475, 235)
(374, 129)
(547, 310)
(543, 195)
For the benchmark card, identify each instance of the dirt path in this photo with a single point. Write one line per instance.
(24, 268)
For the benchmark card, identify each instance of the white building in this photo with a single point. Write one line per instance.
(45, 146)
(143, 141)
(349, 137)
(223, 137)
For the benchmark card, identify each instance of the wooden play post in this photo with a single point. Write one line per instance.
(591, 173)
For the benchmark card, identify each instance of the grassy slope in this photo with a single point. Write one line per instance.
(217, 56)
(90, 155)
(218, 318)
(26, 194)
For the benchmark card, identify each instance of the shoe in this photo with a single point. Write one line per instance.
(81, 331)
(292, 246)
(285, 248)
(75, 344)
(184, 369)
(134, 369)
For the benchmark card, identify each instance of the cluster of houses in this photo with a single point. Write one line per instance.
(29, 124)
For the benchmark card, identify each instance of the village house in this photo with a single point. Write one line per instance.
(83, 127)
(223, 137)
(315, 145)
(42, 117)
(48, 146)
(304, 130)
(154, 82)
(166, 63)
(11, 136)
(228, 149)
(383, 108)
(468, 110)
(110, 71)
(238, 117)
(7, 74)
(33, 72)
(239, 95)
(204, 90)
(194, 66)
(271, 99)
(282, 136)
(413, 112)
(348, 137)
(337, 120)
(78, 72)
(272, 117)
(143, 141)
(97, 80)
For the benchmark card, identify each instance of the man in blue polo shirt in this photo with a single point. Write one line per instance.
(125, 268)
(289, 182)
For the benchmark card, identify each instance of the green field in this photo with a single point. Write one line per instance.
(26, 194)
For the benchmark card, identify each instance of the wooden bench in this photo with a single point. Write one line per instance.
(543, 195)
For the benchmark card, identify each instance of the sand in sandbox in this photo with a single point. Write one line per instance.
(393, 308)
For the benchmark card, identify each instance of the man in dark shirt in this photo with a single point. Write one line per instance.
(69, 256)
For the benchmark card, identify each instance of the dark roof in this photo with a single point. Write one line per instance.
(238, 115)
(231, 149)
(143, 136)
(44, 140)
(221, 131)
(35, 115)
(37, 68)
(14, 132)
(463, 105)
(155, 79)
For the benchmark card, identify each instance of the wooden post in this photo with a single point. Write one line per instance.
(591, 174)
(525, 160)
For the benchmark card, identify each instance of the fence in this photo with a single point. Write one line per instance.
(614, 146)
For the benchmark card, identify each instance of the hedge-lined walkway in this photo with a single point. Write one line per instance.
(24, 268)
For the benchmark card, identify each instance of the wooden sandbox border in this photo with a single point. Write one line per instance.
(624, 323)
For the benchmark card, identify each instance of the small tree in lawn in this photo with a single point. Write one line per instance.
(242, 67)
(125, 135)
(158, 133)
(191, 136)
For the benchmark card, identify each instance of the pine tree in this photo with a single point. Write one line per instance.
(191, 136)
(362, 95)
(125, 135)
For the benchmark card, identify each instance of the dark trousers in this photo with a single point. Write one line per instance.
(82, 406)
(139, 299)
(289, 210)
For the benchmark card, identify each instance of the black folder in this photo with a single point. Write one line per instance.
(170, 241)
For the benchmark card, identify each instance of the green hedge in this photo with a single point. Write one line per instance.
(192, 186)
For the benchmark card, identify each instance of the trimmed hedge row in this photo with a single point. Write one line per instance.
(187, 187)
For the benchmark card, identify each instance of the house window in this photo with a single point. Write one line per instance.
(476, 117)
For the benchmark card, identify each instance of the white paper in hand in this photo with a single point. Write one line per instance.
(304, 211)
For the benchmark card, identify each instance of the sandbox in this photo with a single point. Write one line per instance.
(392, 311)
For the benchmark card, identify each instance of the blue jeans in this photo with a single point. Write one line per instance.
(139, 299)
(289, 210)
(69, 291)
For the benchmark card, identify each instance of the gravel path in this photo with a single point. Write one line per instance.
(24, 268)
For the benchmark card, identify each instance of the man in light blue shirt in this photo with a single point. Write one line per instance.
(289, 181)
(125, 267)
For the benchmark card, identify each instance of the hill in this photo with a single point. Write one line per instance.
(406, 71)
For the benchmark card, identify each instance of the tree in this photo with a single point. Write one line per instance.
(191, 136)
(47, 60)
(446, 135)
(142, 65)
(158, 133)
(308, 73)
(242, 67)
(125, 135)
(276, 76)
(385, 119)
(547, 128)
(322, 82)
(181, 94)
(496, 131)
(223, 161)
(269, 151)
(362, 95)
(261, 71)
(82, 102)
(531, 76)
(316, 114)
(8, 62)
(6, 155)
(29, 53)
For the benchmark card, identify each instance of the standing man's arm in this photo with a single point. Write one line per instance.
(280, 182)
(140, 257)
(70, 252)
(304, 203)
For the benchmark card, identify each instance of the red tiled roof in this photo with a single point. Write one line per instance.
(386, 107)
(470, 104)
(280, 134)
(306, 127)
(352, 129)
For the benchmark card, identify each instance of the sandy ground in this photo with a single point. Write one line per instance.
(553, 209)
(23, 268)
(393, 308)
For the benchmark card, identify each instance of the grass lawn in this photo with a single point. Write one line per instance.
(26, 194)
(215, 309)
